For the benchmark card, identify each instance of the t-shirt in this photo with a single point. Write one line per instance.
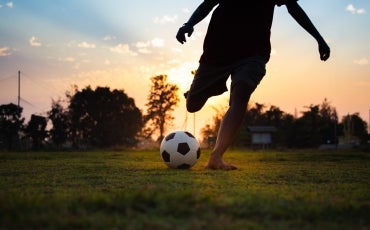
(239, 29)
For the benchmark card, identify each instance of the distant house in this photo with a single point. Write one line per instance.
(261, 136)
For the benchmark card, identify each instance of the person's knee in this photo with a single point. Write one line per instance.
(193, 106)
(195, 102)
(241, 92)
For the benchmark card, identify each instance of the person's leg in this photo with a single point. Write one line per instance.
(229, 127)
(245, 78)
(208, 81)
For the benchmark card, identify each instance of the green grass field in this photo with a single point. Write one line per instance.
(135, 190)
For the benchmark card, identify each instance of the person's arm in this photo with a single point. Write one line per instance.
(199, 14)
(301, 17)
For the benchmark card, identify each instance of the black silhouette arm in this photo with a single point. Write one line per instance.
(301, 17)
(199, 14)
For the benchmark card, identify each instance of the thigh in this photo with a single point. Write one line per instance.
(249, 72)
(210, 80)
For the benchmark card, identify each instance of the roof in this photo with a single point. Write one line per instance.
(262, 129)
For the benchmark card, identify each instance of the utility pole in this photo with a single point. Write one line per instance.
(194, 125)
(19, 87)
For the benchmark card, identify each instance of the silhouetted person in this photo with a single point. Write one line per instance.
(237, 44)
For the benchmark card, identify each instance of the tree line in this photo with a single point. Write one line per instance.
(317, 125)
(104, 118)
(92, 118)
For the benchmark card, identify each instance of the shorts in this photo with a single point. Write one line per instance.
(210, 80)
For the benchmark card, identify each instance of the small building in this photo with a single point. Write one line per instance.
(261, 136)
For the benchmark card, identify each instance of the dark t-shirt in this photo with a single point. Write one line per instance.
(239, 29)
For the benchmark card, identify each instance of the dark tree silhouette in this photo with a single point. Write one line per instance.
(11, 124)
(329, 123)
(307, 128)
(354, 128)
(103, 118)
(161, 102)
(318, 125)
(60, 121)
(36, 131)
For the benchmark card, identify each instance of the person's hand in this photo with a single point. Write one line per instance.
(185, 29)
(324, 50)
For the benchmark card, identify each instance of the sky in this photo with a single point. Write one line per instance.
(122, 44)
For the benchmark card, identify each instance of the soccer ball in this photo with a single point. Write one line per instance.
(180, 150)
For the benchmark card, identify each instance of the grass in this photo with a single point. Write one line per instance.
(135, 190)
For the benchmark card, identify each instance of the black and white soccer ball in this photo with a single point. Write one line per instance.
(180, 150)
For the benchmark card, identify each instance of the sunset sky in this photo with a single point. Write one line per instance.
(121, 44)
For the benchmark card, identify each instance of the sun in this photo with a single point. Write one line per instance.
(182, 75)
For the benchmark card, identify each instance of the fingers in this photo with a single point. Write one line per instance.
(181, 37)
(190, 32)
(324, 52)
(181, 33)
(324, 56)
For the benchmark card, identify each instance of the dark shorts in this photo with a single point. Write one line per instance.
(210, 80)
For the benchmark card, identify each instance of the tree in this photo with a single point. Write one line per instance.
(60, 121)
(103, 118)
(316, 126)
(283, 123)
(254, 115)
(210, 131)
(162, 100)
(329, 123)
(10, 125)
(354, 128)
(307, 128)
(36, 130)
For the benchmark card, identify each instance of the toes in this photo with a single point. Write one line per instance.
(226, 167)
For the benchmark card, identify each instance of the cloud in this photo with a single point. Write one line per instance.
(144, 47)
(86, 45)
(9, 4)
(109, 38)
(351, 8)
(186, 10)
(165, 19)
(144, 51)
(4, 51)
(33, 41)
(122, 49)
(157, 42)
(68, 59)
(362, 61)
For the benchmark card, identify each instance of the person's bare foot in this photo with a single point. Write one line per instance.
(220, 165)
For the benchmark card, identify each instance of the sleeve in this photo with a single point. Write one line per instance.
(283, 2)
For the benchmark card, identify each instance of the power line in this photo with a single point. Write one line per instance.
(6, 78)
(27, 102)
(42, 85)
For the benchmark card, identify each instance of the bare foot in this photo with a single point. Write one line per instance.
(220, 165)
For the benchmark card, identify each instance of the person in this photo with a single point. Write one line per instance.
(237, 44)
